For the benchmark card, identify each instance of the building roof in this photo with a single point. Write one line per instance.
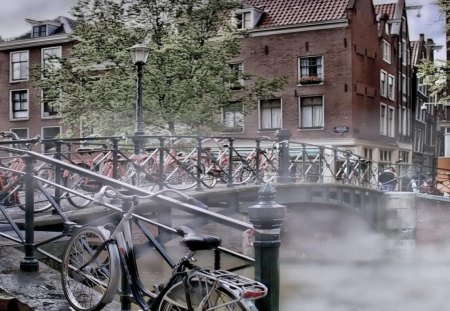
(388, 9)
(293, 12)
(66, 26)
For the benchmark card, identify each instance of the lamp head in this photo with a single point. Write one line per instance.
(139, 53)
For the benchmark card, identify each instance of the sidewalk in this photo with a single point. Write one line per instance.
(26, 291)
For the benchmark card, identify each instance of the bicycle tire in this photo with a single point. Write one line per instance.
(175, 299)
(95, 286)
(181, 177)
(75, 182)
(208, 179)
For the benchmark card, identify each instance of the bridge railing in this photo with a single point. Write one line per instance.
(31, 186)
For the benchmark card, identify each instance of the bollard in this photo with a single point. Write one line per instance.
(267, 217)
(283, 136)
(29, 263)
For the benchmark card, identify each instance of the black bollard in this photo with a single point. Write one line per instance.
(267, 217)
(29, 263)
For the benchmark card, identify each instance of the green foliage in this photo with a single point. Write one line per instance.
(186, 78)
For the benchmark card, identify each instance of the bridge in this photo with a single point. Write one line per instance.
(38, 190)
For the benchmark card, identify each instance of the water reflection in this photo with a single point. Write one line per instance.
(332, 259)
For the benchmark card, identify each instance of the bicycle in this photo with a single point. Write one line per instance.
(95, 256)
(11, 178)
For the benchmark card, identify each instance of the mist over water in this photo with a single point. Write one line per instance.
(332, 259)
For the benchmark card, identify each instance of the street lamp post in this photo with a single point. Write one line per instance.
(139, 55)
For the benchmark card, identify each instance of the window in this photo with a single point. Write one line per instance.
(39, 31)
(420, 113)
(310, 70)
(368, 153)
(19, 104)
(403, 156)
(243, 20)
(49, 133)
(391, 87)
(422, 87)
(19, 66)
(311, 112)
(50, 104)
(50, 58)
(383, 83)
(386, 51)
(404, 53)
(270, 113)
(237, 80)
(418, 140)
(403, 120)
(233, 117)
(387, 120)
(21, 132)
(385, 155)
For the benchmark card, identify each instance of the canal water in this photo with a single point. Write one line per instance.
(331, 259)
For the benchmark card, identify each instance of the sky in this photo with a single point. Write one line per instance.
(13, 14)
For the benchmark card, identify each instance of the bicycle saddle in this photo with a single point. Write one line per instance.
(197, 241)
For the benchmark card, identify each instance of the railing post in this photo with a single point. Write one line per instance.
(199, 165)
(29, 263)
(267, 217)
(161, 163)
(283, 136)
(321, 159)
(258, 160)
(230, 163)
(58, 173)
(115, 152)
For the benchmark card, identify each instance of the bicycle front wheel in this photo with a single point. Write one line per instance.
(89, 286)
(82, 185)
(203, 296)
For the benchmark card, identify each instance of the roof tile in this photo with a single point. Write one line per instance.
(294, 12)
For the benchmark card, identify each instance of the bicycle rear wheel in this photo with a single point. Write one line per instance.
(203, 296)
(82, 185)
(95, 285)
(181, 177)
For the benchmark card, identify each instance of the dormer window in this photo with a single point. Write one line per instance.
(40, 31)
(243, 20)
(246, 18)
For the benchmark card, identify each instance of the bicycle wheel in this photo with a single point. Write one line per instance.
(82, 185)
(203, 296)
(181, 177)
(41, 203)
(95, 285)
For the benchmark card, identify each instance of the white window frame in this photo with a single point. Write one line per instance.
(391, 87)
(47, 62)
(404, 52)
(243, 19)
(43, 112)
(238, 125)
(418, 140)
(305, 71)
(385, 156)
(14, 129)
(39, 32)
(11, 104)
(420, 113)
(316, 114)
(387, 52)
(43, 148)
(387, 120)
(383, 83)
(238, 69)
(261, 114)
(23, 76)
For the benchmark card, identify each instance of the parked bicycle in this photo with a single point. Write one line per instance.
(11, 177)
(95, 257)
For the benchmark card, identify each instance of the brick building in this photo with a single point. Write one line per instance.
(349, 74)
(23, 108)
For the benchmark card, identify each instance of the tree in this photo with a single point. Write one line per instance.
(436, 74)
(186, 78)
